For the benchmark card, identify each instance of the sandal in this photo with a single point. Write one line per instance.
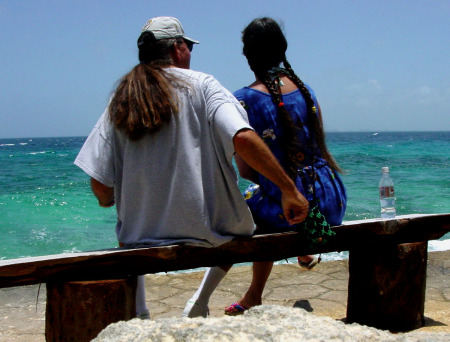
(234, 310)
(310, 265)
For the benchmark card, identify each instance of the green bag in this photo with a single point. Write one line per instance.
(318, 230)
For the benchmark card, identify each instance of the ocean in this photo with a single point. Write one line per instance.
(46, 205)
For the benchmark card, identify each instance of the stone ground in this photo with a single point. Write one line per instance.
(321, 291)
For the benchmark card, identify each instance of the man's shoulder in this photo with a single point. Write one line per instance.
(192, 74)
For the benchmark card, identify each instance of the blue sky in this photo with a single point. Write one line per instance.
(374, 65)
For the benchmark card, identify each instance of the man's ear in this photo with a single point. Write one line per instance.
(175, 54)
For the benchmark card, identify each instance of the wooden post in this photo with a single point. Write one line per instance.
(79, 310)
(387, 284)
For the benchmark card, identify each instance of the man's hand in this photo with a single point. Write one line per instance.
(295, 207)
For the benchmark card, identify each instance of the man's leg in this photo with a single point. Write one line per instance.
(141, 306)
(198, 304)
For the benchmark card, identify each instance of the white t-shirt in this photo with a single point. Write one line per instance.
(178, 184)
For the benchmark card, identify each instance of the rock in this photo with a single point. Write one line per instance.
(261, 323)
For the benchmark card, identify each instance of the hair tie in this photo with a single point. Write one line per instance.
(314, 109)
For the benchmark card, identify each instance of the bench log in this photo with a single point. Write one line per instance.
(367, 240)
(386, 286)
(80, 310)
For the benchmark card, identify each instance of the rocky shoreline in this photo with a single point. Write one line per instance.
(261, 323)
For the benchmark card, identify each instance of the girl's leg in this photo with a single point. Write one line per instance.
(198, 304)
(253, 296)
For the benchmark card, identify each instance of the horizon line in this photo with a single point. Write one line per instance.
(330, 131)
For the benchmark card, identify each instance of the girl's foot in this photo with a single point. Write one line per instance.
(235, 309)
(308, 262)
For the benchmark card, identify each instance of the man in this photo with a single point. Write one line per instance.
(162, 152)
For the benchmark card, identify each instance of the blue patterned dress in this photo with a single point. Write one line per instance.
(265, 200)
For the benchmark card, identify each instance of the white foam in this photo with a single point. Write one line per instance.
(439, 245)
(42, 152)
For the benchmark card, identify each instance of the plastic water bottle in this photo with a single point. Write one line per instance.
(387, 199)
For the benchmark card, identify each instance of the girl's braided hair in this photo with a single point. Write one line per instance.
(265, 48)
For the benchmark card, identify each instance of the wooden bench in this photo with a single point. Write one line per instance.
(387, 273)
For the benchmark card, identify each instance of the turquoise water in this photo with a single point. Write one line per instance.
(46, 206)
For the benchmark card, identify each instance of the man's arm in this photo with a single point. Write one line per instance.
(246, 171)
(104, 194)
(254, 152)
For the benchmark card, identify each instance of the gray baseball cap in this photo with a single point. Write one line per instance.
(166, 27)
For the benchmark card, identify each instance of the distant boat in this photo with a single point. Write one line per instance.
(375, 134)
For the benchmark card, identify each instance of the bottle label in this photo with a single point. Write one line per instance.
(386, 191)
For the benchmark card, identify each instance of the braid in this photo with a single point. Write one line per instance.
(290, 138)
(313, 117)
(265, 48)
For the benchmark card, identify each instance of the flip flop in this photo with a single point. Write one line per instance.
(310, 265)
(234, 310)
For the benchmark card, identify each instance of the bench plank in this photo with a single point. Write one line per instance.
(119, 263)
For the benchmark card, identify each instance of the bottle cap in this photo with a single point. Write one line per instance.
(385, 169)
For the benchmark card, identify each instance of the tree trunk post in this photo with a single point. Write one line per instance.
(79, 310)
(386, 288)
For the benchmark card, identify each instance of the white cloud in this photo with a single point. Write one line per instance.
(365, 88)
(375, 86)
(425, 95)
(364, 94)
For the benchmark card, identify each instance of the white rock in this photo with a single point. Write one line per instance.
(261, 323)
